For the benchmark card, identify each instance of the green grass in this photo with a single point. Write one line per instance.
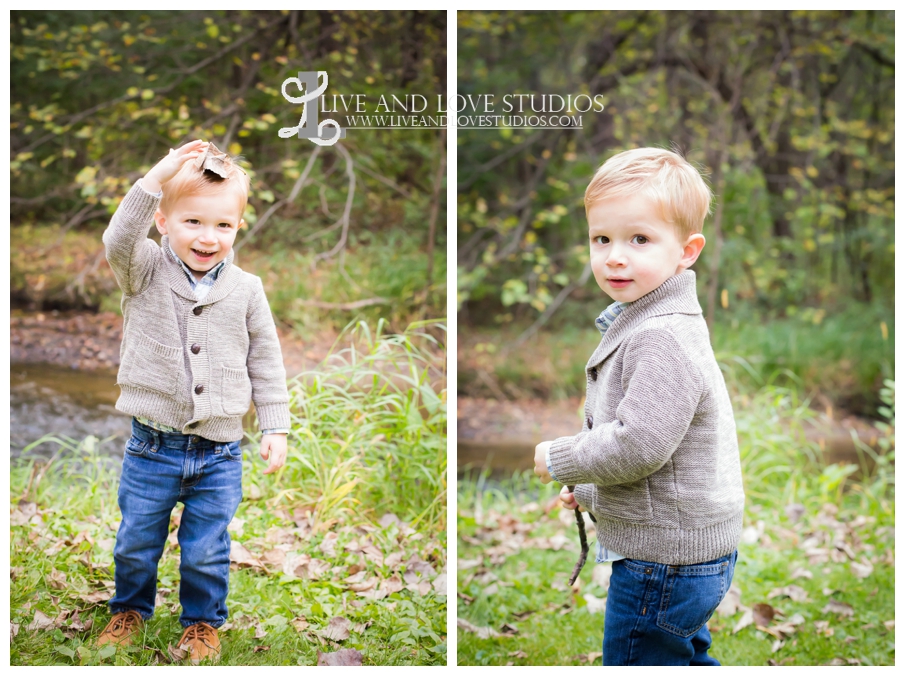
(509, 567)
(368, 439)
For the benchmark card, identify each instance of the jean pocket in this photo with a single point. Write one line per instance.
(230, 451)
(691, 595)
(136, 447)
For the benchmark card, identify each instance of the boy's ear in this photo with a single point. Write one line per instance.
(242, 223)
(161, 222)
(692, 249)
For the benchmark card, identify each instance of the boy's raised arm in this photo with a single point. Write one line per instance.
(651, 420)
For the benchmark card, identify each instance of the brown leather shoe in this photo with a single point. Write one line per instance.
(121, 629)
(201, 642)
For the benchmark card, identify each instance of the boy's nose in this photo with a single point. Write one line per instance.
(616, 257)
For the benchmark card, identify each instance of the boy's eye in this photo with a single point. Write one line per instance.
(226, 225)
(640, 239)
(601, 239)
(193, 221)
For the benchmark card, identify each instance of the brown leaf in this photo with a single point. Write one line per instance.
(388, 519)
(13, 631)
(482, 632)
(730, 604)
(260, 648)
(861, 570)
(365, 585)
(239, 555)
(96, 597)
(274, 557)
(328, 545)
(468, 599)
(801, 572)
(392, 584)
(299, 623)
(440, 584)
(393, 560)
(260, 632)
(508, 630)
(823, 628)
(337, 629)
(763, 614)
(347, 657)
(595, 605)
(520, 654)
(777, 645)
(795, 512)
(57, 579)
(746, 619)
(839, 608)
(176, 654)
(890, 624)
(373, 554)
(794, 592)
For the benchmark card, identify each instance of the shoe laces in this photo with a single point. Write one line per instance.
(124, 622)
(200, 632)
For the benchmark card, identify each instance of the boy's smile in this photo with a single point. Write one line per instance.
(633, 249)
(202, 229)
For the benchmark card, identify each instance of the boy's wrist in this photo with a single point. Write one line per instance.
(151, 183)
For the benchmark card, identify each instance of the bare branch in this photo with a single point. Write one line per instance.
(350, 173)
(354, 305)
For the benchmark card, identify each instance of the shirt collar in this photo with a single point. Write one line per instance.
(606, 318)
(208, 279)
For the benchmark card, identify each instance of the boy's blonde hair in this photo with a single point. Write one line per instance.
(665, 177)
(191, 180)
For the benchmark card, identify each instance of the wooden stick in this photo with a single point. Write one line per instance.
(583, 539)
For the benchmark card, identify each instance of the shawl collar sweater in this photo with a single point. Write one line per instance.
(657, 459)
(189, 364)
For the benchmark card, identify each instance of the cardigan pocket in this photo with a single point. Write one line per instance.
(236, 391)
(150, 365)
(626, 502)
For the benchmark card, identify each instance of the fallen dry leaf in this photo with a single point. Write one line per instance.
(337, 629)
(466, 564)
(347, 657)
(365, 585)
(801, 572)
(520, 654)
(890, 624)
(745, 620)
(482, 632)
(13, 631)
(239, 555)
(328, 545)
(260, 648)
(823, 628)
(439, 585)
(392, 584)
(595, 605)
(839, 608)
(777, 645)
(795, 511)
(508, 630)
(260, 632)
(57, 579)
(861, 570)
(393, 560)
(299, 623)
(176, 654)
(40, 621)
(793, 591)
(763, 614)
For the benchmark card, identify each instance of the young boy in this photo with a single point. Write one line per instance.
(199, 343)
(656, 461)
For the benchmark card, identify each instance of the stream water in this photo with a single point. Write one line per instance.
(47, 399)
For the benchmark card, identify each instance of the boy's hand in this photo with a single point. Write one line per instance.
(540, 462)
(568, 499)
(168, 167)
(273, 447)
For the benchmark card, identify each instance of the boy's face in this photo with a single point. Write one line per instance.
(202, 229)
(633, 250)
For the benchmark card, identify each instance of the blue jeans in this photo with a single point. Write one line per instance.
(159, 470)
(657, 614)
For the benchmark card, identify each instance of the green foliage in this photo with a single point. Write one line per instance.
(790, 114)
(98, 97)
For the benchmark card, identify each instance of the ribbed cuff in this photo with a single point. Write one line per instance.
(279, 430)
(549, 466)
(138, 206)
(273, 416)
(158, 194)
(561, 459)
(584, 496)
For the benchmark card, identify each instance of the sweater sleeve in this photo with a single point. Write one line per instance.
(662, 393)
(131, 254)
(265, 365)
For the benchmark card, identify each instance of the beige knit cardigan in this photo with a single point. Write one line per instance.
(193, 365)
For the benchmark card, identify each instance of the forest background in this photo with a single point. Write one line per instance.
(790, 115)
(347, 544)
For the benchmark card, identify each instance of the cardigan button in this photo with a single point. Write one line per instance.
(590, 423)
(593, 373)
(198, 310)
(199, 389)
(192, 425)
(196, 348)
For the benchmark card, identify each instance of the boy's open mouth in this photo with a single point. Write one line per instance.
(618, 282)
(203, 255)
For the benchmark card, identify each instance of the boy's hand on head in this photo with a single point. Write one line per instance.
(540, 462)
(170, 165)
(568, 499)
(273, 448)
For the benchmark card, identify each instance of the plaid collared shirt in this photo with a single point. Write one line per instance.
(603, 322)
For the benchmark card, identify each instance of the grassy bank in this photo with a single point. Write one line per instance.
(843, 355)
(814, 583)
(388, 268)
(343, 549)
